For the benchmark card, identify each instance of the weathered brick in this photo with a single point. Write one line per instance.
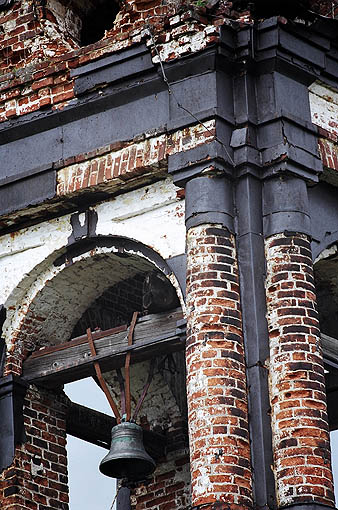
(219, 417)
(297, 425)
(30, 474)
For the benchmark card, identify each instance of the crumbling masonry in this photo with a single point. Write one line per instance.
(180, 160)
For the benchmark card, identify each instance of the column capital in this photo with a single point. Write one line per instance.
(285, 205)
(209, 201)
(211, 158)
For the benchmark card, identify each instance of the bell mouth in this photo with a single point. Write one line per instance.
(127, 457)
(130, 469)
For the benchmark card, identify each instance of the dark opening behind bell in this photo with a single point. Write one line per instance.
(127, 457)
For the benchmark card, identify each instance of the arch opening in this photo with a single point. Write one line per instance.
(326, 283)
(99, 283)
(56, 300)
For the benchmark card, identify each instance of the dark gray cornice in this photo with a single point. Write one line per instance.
(254, 83)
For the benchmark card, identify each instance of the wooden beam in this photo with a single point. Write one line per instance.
(330, 350)
(154, 335)
(95, 427)
(89, 425)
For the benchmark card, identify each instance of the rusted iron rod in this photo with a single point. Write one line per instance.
(102, 382)
(127, 365)
(145, 389)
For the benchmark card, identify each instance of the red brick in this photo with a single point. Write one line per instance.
(208, 315)
(297, 425)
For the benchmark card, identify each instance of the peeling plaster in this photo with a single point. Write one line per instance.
(324, 106)
(327, 253)
(151, 215)
(159, 408)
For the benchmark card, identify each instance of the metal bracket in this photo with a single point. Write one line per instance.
(12, 393)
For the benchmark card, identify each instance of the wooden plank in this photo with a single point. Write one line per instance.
(154, 335)
(78, 341)
(95, 427)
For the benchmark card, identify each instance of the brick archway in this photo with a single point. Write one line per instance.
(69, 281)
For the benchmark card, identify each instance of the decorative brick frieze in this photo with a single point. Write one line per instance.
(216, 378)
(118, 165)
(297, 386)
(38, 477)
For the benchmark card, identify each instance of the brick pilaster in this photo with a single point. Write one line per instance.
(216, 378)
(297, 386)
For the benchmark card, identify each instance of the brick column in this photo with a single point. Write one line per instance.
(37, 478)
(216, 377)
(297, 386)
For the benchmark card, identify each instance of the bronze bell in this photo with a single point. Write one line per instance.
(127, 457)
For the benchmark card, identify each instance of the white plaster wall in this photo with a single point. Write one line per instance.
(24, 250)
(324, 106)
(151, 214)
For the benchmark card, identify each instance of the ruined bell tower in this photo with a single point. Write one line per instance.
(169, 226)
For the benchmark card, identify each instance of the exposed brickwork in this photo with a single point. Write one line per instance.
(329, 154)
(324, 113)
(216, 380)
(39, 44)
(38, 478)
(37, 51)
(113, 308)
(169, 488)
(48, 306)
(113, 165)
(27, 44)
(297, 389)
(170, 485)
